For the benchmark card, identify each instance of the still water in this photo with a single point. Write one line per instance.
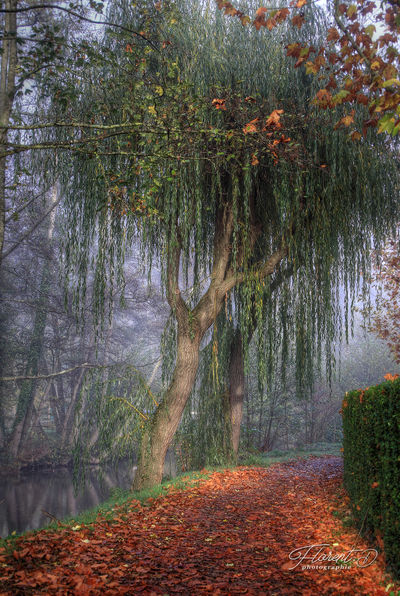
(27, 499)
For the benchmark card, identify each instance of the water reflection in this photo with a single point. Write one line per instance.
(24, 499)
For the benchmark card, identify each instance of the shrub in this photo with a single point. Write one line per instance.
(371, 428)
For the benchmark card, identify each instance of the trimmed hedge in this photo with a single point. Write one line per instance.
(371, 429)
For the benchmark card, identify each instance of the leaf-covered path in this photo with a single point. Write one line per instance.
(231, 533)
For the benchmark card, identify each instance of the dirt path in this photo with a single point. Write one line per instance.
(232, 533)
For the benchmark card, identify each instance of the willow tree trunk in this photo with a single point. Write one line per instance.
(236, 389)
(158, 435)
(192, 326)
(236, 376)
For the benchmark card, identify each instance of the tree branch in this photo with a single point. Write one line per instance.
(174, 296)
(266, 269)
(222, 248)
(49, 376)
(24, 206)
(78, 16)
(208, 307)
(29, 232)
(346, 33)
(41, 125)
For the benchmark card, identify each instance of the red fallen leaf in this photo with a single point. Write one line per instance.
(288, 566)
(379, 540)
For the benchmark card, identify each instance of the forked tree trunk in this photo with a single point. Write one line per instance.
(192, 325)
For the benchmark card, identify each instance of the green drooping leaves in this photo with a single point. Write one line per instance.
(115, 404)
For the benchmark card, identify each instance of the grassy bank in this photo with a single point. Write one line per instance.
(276, 456)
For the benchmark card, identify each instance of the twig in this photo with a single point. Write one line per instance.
(57, 374)
(51, 516)
(79, 16)
(31, 230)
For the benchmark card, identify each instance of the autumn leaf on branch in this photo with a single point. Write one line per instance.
(274, 119)
(364, 66)
(390, 377)
(251, 126)
(345, 121)
(219, 104)
(254, 160)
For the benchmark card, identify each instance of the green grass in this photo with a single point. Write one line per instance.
(120, 500)
(276, 456)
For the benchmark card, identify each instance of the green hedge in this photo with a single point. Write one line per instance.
(371, 429)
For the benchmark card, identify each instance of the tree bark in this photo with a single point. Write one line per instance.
(26, 397)
(66, 432)
(236, 389)
(158, 436)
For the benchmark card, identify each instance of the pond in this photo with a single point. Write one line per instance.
(29, 499)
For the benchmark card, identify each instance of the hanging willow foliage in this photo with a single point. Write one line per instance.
(114, 405)
(203, 438)
(185, 129)
(330, 250)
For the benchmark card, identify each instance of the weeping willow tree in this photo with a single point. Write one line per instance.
(211, 425)
(196, 140)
